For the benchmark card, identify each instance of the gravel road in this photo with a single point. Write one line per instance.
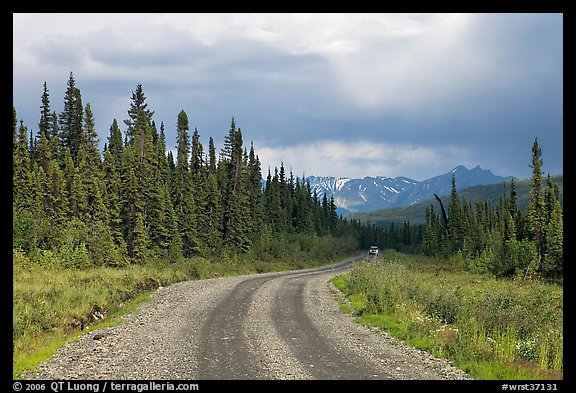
(284, 325)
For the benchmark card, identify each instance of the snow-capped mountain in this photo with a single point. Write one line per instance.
(327, 185)
(374, 193)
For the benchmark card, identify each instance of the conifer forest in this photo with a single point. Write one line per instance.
(77, 206)
(134, 201)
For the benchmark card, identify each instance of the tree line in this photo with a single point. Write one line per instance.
(79, 207)
(498, 239)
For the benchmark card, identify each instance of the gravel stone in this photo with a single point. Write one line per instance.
(162, 339)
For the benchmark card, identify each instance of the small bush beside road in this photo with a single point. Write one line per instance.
(491, 328)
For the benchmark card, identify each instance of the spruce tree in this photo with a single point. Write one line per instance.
(71, 119)
(554, 233)
(115, 144)
(183, 196)
(519, 221)
(211, 156)
(44, 125)
(536, 209)
(285, 199)
(131, 200)
(21, 169)
(236, 213)
(255, 191)
(165, 231)
(214, 214)
(198, 176)
(303, 208)
(53, 185)
(430, 239)
(454, 219)
(274, 209)
(90, 138)
(137, 105)
(112, 196)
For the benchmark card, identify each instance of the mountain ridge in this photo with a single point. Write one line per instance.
(381, 192)
(416, 213)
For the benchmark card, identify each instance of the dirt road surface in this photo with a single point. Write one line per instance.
(284, 325)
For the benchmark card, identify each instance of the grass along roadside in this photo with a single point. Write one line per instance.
(491, 329)
(53, 305)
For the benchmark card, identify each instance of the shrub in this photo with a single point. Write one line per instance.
(19, 259)
(482, 322)
(74, 256)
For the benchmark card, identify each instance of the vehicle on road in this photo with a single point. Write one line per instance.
(373, 250)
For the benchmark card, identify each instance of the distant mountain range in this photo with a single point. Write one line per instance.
(416, 213)
(376, 193)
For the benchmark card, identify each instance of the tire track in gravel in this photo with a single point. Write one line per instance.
(224, 347)
(320, 356)
(283, 325)
(223, 352)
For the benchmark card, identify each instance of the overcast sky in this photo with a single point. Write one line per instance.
(345, 95)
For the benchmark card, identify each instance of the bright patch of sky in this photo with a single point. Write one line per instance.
(344, 95)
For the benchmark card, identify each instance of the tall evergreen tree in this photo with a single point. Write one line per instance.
(112, 196)
(53, 139)
(536, 208)
(554, 232)
(71, 119)
(255, 191)
(183, 196)
(211, 156)
(115, 144)
(150, 189)
(226, 151)
(44, 125)
(131, 201)
(214, 214)
(164, 228)
(198, 178)
(137, 105)
(303, 216)
(235, 203)
(21, 191)
(90, 138)
(454, 219)
(57, 192)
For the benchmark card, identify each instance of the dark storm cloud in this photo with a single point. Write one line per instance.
(456, 89)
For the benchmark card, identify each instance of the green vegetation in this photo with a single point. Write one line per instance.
(491, 328)
(501, 240)
(53, 305)
(135, 202)
(416, 214)
(93, 230)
